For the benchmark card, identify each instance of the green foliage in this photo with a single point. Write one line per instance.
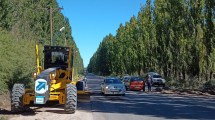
(210, 85)
(4, 118)
(17, 60)
(22, 24)
(173, 37)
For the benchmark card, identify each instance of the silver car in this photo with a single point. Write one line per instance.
(157, 79)
(112, 86)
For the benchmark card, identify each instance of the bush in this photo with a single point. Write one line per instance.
(4, 118)
(17, 60)
(209, 85)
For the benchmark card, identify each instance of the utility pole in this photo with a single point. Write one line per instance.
(51, 10)
(50, 14)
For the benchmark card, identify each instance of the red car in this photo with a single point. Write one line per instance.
(137, 83)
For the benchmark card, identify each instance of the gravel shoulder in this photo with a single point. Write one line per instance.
(49, 112)
(55, 113)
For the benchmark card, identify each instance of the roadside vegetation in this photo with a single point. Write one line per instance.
(175, 38)
(17, 61)
(4, 118)
(24, 23)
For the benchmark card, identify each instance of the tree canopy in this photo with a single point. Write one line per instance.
(22, 24)
(173, 37)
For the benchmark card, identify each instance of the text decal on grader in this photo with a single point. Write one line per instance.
(40, 99)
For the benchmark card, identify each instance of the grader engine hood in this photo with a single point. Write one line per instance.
(42, 86)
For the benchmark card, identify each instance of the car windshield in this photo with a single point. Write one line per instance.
(113, 81)
(156, 76)
(126, 78)
(136, 79)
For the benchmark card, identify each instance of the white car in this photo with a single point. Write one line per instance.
(157, 79)
(112, 86)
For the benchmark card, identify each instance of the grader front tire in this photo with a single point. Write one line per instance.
(17, 98)
(71, 98)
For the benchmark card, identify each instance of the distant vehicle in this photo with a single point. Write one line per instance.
(112, 86)
(126, 81)
(157, 79)
(137, 83)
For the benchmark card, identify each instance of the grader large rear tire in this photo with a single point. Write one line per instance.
(17, 98)
(71, 98)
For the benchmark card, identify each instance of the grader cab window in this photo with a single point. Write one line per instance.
(56, 57)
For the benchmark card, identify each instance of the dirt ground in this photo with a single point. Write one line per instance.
(47, 112)
(4, 106)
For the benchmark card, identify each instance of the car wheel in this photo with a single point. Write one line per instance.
(102, 91)
(144, 89)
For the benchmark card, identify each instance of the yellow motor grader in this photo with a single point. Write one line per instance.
(53, 82)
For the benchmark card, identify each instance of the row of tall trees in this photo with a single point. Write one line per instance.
(22, 24)
(173, 37)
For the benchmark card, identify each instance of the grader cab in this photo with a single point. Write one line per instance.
(53, 82)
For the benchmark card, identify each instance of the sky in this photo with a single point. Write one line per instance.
(92, 20)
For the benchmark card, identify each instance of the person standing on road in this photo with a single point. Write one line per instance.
(85, 80)
(149, 82)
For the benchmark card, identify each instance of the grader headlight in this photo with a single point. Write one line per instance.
(34, 75)
(52, 76)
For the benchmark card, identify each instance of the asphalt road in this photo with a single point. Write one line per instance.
(134, 105)
(137, 105)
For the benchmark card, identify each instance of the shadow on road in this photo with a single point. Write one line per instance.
(27, 112)
(155, 105)
(53, 107)
(152, 104)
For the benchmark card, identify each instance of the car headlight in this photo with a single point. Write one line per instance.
(106, 87)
